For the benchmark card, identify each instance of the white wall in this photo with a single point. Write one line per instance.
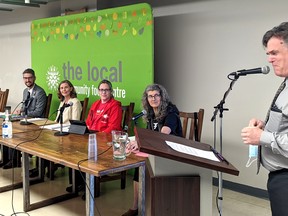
(195, 51)
(197, 45)
(15, 46)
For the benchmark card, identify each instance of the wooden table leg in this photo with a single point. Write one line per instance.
(141, 200)
(26, 183)
(90, 195)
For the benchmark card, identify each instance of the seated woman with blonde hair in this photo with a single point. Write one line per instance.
(67, 95)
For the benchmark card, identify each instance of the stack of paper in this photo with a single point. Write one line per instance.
(65, 127)
(39, 121)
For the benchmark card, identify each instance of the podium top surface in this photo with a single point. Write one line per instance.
(153, 142)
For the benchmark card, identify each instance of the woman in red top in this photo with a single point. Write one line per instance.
(105, 114)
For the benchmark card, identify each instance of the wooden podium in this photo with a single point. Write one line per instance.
(177, 184)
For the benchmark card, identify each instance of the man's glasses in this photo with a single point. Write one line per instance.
(28, 78)
(156, 96)
(104, 90)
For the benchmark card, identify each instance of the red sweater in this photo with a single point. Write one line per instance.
(105, 117)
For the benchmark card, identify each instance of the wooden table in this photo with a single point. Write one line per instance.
(17, 128)
(68, 151)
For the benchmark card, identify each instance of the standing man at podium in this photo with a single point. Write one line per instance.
(161, 115)
(271, 135)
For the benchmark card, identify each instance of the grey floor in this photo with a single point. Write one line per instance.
(113, 200)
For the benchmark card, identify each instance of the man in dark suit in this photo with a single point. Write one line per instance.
(34, 96)
(34, 105)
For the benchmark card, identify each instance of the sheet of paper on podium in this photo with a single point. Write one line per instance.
(192, 151)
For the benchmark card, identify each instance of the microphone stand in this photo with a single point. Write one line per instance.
(25, 114)
(61, 133)
(221, 109)
(135, 122)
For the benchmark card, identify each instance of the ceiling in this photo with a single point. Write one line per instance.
(11, 5)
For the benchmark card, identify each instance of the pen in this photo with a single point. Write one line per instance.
(218, 155)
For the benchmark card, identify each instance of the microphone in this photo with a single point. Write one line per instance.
(26, 103)
(70, 103)
(61, 133)
(143, 112)
(262, 70)
(27, 100)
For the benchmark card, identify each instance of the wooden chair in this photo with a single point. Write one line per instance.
(46, 115)
(192, 124)
(127, 113)
(3, 102)
(3, 99)
(48, 105)
(54, 166)
(84, 104)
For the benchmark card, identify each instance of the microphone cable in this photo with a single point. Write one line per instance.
(13, 176)
(84, 180)
(30, 140)
(12, 161)
(217, 198)
(15, 109)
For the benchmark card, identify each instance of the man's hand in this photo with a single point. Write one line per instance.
(17, 112)
(251, 135)
(256, 123)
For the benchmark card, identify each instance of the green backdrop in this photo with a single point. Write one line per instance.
(114, 44)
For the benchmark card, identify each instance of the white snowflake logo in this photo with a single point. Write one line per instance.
(52, 78)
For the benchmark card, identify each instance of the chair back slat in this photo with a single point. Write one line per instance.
(3, 99)
(48, 105)
(127, 113)
(84, 104)
(192, 123)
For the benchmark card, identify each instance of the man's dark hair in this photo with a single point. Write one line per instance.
(30, 71)
(280, 32)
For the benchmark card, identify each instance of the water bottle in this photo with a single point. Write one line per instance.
(7, 126)
(92, 147)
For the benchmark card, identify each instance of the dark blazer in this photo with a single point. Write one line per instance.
(37, 104)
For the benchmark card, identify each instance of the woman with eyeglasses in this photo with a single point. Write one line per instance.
(161, 115)
(105, 114)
